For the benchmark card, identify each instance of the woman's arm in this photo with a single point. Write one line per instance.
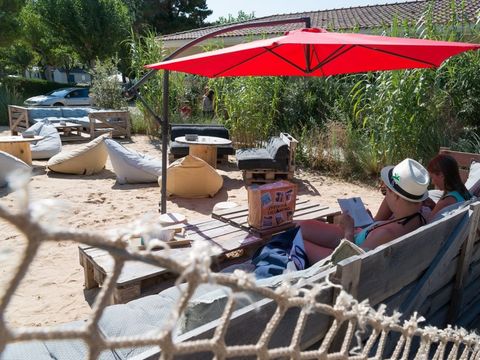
(449, 200)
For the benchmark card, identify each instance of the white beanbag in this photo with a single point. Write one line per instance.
(191, 177)
(50, 144)
(87, 159)
(132, 167)
(9, 164)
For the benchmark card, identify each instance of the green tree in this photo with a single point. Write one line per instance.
(9, 24)
(94, 28)
(169, 16)
(241, 16)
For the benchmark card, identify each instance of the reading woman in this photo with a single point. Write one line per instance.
(406, 187)
(445, 176)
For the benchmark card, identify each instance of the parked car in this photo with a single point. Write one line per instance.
(62, 97)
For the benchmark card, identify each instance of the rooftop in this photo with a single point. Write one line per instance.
(361, 17)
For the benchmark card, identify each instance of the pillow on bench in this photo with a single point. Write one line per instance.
(274, 156)
(473, 181)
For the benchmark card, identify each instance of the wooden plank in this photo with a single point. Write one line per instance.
(464, 262)
(388, 268)
(348, 274)
(441, 260)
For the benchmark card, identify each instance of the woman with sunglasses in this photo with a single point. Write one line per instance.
(406, 187)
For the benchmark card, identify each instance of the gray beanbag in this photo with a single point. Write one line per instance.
(132, 167)
(9, 164)
(50, 144)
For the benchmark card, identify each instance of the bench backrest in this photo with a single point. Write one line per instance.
(199, 129)
(464, 160)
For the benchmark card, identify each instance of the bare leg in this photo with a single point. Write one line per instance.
(320, 233)
(316, 252)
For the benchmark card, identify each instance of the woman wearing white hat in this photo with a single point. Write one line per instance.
(406, 187)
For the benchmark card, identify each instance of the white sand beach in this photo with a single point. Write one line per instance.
(52, 291)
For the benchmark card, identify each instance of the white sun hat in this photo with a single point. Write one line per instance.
(409, 179)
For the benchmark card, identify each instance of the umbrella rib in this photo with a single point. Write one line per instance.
(338, 52)
(287, 61)
(398, 55)
(238, 64)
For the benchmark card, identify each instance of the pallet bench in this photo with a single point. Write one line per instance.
(88, 123)
(139, 279)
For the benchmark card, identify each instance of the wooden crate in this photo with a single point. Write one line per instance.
(263, 176)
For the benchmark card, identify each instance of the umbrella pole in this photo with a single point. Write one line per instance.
(165, 132)
(164, 122)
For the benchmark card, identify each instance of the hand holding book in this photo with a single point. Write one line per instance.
(356, 209)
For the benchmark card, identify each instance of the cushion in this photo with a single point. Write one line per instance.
(277, 148)
(199, 129)
(473, 181)
(50, 119)
(249, 159)
(50, 145)
(191, 177)
(9, 164)
(132, 167)
(75, 112)
(87, 159)
(40, 113)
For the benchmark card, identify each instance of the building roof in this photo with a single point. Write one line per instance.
(361, 17)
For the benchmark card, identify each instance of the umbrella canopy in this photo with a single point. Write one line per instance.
(316, 52)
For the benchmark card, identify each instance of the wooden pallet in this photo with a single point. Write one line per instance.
(304, 210)
(263, 176)
(140, 279)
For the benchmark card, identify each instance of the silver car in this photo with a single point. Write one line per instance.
(62, 97)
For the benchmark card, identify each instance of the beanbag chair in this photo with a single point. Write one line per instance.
(9, 164)
(50, 144)
(191, 177)
(132, 167)
(88, 159)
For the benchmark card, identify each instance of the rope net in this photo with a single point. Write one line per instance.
(354, 330)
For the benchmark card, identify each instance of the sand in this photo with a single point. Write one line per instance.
(52, 291)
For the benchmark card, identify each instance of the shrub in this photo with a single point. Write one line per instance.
(106, 90)
(8, 96)
(26, 88)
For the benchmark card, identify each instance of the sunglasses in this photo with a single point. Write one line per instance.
(383, 190)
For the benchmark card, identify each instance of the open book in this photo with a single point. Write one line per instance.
(355, 208)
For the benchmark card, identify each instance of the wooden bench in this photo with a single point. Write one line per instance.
(101, 121)
(433, 270)
(264, 175)
(464, 160)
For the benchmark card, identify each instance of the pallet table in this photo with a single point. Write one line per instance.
(138, 279)
(304, 210)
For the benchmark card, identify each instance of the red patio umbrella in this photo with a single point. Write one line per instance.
(316, 52)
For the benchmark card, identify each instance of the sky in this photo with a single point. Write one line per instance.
(221, 8)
